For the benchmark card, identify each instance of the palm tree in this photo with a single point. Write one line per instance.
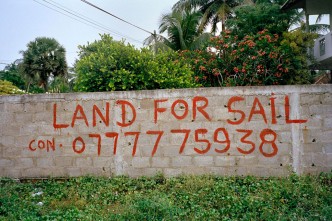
(182, 28)
(44, 58)
(214, 11)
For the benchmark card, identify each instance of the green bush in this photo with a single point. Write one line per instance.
(259, 59)
(108, 65)
(7, 87)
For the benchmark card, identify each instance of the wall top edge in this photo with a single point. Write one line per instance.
(169, 93)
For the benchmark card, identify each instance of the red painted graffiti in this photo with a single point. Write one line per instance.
(202, 141)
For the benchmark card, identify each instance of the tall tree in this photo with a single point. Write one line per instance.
(182, 28)
(43, 59)
(214, 11)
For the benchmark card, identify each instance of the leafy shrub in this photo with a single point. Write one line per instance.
(7, 87)
(108, 65)
(260, 59)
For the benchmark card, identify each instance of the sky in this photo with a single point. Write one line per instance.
(21, 21)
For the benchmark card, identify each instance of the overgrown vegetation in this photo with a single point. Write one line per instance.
(108, 65)
(158, 198)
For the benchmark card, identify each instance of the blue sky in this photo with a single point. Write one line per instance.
(24, 20)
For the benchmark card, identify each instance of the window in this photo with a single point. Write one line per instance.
(322, 47)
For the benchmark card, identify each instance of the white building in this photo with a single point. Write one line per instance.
(323, 45)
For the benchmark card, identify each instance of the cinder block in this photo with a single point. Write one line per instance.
(279, 172)
(43, 117)
(284, 137)
(13, 107)
(326, 137)
(58, 172)
(63, 161)
(170, 172)
(146, 150)
(144, 115)
(284, 149)
(36, 172)
(320, 109)
(73, 172)
(171, 151)
(225, 161)
(313, 148)
(103, 162)
(319, 159)
(239, 171)
(31, 130)
(314, 123)
(160, 162)
(11, 172)
(328, 149)
(45, 162)
(11, 129)
(141, 162)
(250, 161)
(203, 161)
(150, 171)
(329, 160)
(95, 171)
(307, 160)
(267, 161)
(220, 171)
(317, 136)
(147, 104)
(23, 118)
(32, 107)
(83, 161)
(195, 170)
(327, 98)
(182, 161)
(6, 162)
(24, 162)
(310, 99)
(260, 171)
(6, 118)
(7, 141)
(327, 123)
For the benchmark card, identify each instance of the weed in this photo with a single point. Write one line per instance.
(159, 198)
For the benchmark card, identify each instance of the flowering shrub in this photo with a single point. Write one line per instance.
(258, 59)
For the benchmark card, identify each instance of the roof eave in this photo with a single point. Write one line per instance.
(293, 4)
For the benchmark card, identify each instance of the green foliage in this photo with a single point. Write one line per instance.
(182, 27)
(108, 65)
(299, 42)
(7, 87)
(214, 11)
(260, 59)
(251, 19)
(44, 58)
(158, 198)
(11, 73)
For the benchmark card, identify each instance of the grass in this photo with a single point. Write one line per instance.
(160, 198)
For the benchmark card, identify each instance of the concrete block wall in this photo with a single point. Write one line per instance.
(262, 131)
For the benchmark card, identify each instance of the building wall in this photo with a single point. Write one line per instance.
(262, 131)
